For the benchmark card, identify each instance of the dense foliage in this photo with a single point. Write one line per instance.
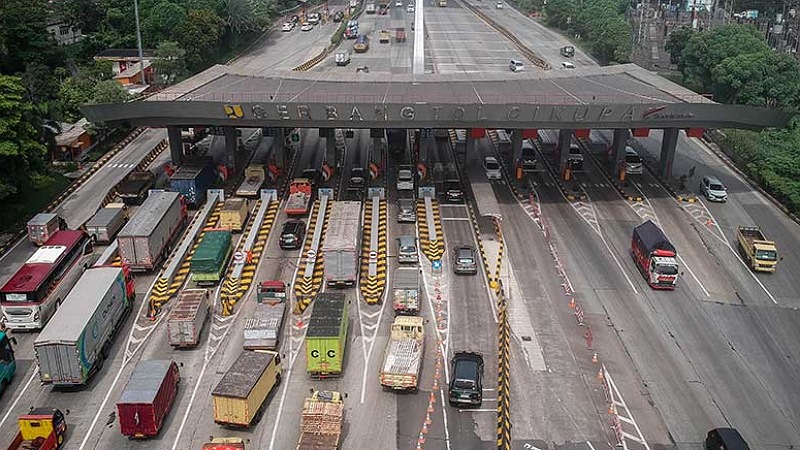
(599, 23)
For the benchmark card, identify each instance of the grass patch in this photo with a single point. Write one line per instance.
(19, 209)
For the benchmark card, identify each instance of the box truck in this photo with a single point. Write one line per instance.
(341, 248)
(147, 237)
(147, 398)
(187, 317)
(240, 395)
(326, 335)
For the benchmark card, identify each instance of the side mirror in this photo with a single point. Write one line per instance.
(13, 340)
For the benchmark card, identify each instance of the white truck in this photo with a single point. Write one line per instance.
(403, 357)
(341, 247)
(148, 236)
(405, 291)
(187, 317)
(254, 176)
(105, 224)
(262, 329)
(342, 57)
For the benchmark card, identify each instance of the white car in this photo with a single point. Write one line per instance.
(313, 18)
(308, 26)
(713, 189)
(492, 168)
(288, 26)
(410, 7)
(398, 3)
(498, 5)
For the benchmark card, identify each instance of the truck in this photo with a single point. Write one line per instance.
(187, 317)
(76, 341)
(326, 335)
(134, 188)
(254, 176)
(761, 253)
(341, 248)
(299, 200)
(321, 421)
(8, 362)
(193, 179)
(40, 429)
(655, 256)
(234, 214)
(105, 224)
(42, 227)
(342, 57)
(148, 397)
(210, 259)
(405, 291)
(240, 395)
(383, 36)
(370, 9)
(224, 443)
(403, 356)
(528, 156)
(400, 34)
(262, 329)
(147, 238)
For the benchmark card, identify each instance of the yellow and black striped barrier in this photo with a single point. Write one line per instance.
(500, 249)
(503, 375)
(372, 288)
(433, 250)
(305, 288)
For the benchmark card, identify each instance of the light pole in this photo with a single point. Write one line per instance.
(139, 40)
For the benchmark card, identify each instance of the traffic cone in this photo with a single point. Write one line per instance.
(572, 303)
(600, 375)
(611, 409)
(594, 357)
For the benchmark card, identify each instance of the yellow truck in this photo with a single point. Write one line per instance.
(403, 357)
(234, 214)
(384, 36)
(761, 253)
(240, 395)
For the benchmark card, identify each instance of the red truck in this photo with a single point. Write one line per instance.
(225, 443)
(147, 398)
(299, 197)
(40, 429)
(655, 256)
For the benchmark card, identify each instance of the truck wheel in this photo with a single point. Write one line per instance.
(278, 379)
(60, 440)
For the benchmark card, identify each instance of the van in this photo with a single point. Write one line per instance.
(633, 163)
(725, 439)
(466, 382)
(342, 57)
(567, 65)
(407, 250)
(516, 65)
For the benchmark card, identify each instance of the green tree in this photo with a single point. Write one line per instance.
(39, 82)
(240, 16)
(610, 39)
(200, 35)
(170, 65)
(760, 79)
(21, 156)
(109, 91)
(560, 13)
(162, 21)
(71, 96)
(676, 42)
(708, 48)
(24, 36)
(84, 14)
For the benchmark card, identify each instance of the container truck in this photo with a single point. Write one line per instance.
(405, 291)
(321, 421)
(403, 357)
(8, 362)
(43, 226)
(187, 317)
(134, 188)
(299, 197)
(146, 239)
(240, 395)
(341, 248)
(234, 214)
(655, 256)
(761, 253)
(193, 179)
(254, 176)
(76, 341)
(326, 335)
(147, 398)
(224, 443)
(40, 429)
(105, 224)
(262, 329)
(211, 257)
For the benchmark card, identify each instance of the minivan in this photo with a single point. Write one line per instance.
(466, 384)
(465, 260)
(516, 65)
(633, 163)
(725, 439)
(292, 235)
(713, 189)
(567, 65)
(407, 250)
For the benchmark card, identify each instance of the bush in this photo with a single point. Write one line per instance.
(337, 37)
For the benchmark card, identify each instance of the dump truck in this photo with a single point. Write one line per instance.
(326, 336)
(147, 398)
(262, 329)
(234, 214)
(134, 188)
(224, 443)
(240, 395)
(210, 259)
(42, 227)
(8, 362)
(299, 199)
(655, 256)
(341, 248)
(187, 317)
(405, 291)
(147, 238)
(193, 179)
(254, 176)
(40, 429)
(105, 224)
(403, 356)
(761, 253)
(76, 341)
(321, 421)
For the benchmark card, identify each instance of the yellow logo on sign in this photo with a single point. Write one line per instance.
(234, 111)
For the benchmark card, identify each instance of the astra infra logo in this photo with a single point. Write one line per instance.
(651, 111)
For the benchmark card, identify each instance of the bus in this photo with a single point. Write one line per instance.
(34, 292)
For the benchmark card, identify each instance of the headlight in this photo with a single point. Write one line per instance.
(36, 316)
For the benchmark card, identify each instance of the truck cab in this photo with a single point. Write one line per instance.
(8, 363)
(271, 292)
(40, 429)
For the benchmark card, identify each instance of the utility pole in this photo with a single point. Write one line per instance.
(139, 41)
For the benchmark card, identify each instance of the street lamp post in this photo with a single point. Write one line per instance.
(139, 40)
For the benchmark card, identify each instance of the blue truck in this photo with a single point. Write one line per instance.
(8, 364)
(193, 179)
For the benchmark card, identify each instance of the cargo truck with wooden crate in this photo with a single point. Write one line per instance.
(210, 259)
(254, 176)
(187, 317)
(326, 336)
(40, 429)
(77, 340)
(147, 398)
(321, 421)
(105, 224)
(405, 291)
(655, 256)
(224, 443)
(262, 329)
(234, 214)
(341, 248)
(240, 395)
(299, 201)
(193, 179)
(43, 226)
(402, 359)
(760, 252)
(147, 238)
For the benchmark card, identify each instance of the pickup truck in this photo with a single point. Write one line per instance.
(761, 253)
(405, 291)
(224, 443)
(40, 429)
(133, 189)
(403, 357)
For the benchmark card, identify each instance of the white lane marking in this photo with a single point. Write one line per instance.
(590, 445)
(616, 260)
(691, 272)
(19, 396)
(368, 342)
(11, 250)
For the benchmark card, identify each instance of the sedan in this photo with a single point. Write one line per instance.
(410, 8)
(398, 3)
(307, 27)
(288, 26)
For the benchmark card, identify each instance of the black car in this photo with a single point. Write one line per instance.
(338, 17)
(466, 383)
(292, 235)
(465, 260)
(725, 439)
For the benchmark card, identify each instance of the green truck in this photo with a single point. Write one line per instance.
(211, 257)
(8, 364)
(326, 336)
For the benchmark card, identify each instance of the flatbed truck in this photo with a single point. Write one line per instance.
(403, 357)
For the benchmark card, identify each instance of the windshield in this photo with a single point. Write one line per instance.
(666, 269)
(404, 175)
(491, 165)
(465, 260)
(408, 249)
(716, 187)
(767, 255)
(633, 159)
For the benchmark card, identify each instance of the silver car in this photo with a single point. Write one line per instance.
(713, 189)
(407, 250)
(465, 260)
(406, 210)
(633, 163)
